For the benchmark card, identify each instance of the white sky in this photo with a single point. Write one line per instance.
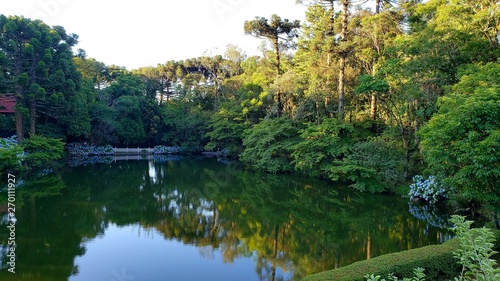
(147, 32)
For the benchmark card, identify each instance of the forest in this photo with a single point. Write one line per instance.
(367, 97)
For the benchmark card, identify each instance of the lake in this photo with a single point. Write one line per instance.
(200, 219)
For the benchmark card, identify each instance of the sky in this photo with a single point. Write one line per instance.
(143, 33)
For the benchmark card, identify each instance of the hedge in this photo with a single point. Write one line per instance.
(437, 260)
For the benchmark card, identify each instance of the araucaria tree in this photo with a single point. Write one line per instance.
(39, 64)
(280, 33)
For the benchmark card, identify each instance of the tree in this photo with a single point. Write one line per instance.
(343, 51)
(315, 63)
(439, 39)
(273, 30)
(94, 70)
(123, 111)
(130, 127)
(186, 126)
(340, 44)
(169, 75)
(234, 56)
(39, 64)
(373, 37)
(215, 73)
(461, 142)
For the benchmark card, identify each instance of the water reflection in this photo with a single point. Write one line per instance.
(278, 227)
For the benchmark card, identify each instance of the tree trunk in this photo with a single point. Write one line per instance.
(373, 102)
(278, 75)
(377, 6)
(341, 87)
(168, 93)
(373, 107)
(32, 117)
(318, 115)
(19, 126)
(495, 220)
(369, 247)
(343, 55)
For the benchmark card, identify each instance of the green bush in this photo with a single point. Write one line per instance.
(269, 145)
(438, 261)
(384, 160)
(475, 252)
(10, 158)
(322, 149)
(41, 150)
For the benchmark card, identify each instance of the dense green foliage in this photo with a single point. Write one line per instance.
(37, 151)
(438, 261)
(37, 68)
(370, 98)
(41, 150)
(367, 97)
(461, 143)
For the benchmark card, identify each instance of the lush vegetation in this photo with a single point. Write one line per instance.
(35, 152)
(368, 97)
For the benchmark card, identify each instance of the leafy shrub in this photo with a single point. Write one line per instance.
(475, 252)
(226, 130)
(41, 150)
(322, 149)
(386, 162)
(438, 261)
(268, 145)
(328, 150)
(430, 189)
(419, 276)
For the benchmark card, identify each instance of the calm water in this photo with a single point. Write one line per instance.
(199, 219)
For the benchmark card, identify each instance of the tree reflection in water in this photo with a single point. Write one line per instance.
(289, 225)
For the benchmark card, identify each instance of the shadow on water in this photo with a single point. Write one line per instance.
(287, 226)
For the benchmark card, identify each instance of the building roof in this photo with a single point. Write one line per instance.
(7, 104)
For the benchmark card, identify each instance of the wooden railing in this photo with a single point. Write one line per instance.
(130, 151)
(133, 157)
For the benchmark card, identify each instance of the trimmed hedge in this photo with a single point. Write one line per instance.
(437, 260)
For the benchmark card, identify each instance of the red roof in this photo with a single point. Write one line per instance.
(7, 104)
